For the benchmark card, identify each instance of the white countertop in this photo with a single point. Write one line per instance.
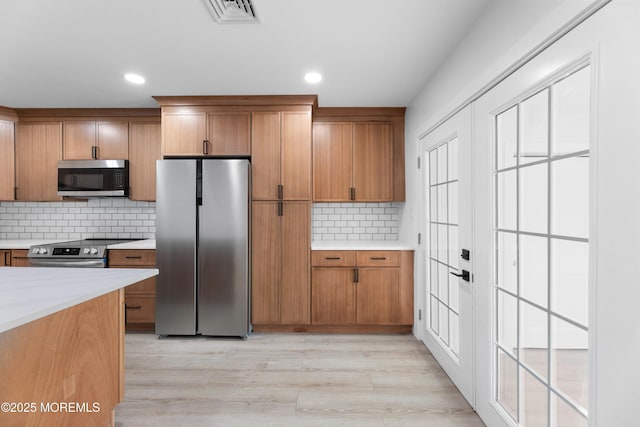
(360, 245)
(30, 293)
(27, 243)
(136, 244)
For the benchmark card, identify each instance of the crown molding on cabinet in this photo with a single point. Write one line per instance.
(42, 114)
(9, 114)
(205, 100)
(333, 114)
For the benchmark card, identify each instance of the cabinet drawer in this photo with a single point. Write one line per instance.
(146, 286)
(137, 257)
(140, 309)
(19, 258)
(378, 258)
(333, 258)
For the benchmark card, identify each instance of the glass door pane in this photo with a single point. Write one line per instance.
(541, 223)
(443, 251)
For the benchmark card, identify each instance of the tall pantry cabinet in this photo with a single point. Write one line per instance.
(281, 216)
(7, 162)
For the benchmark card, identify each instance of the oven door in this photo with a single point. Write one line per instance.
(66, 262)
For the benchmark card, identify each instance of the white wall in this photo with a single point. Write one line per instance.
(502, 35)
(615, 340)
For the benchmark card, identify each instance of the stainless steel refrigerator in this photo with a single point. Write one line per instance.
(203, 247)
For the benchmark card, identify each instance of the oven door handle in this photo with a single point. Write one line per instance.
(95, 263)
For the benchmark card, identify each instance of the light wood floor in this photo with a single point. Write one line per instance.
(287, 380)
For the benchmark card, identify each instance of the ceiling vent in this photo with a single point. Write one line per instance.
(232, 11)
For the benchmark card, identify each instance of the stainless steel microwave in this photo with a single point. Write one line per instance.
(93, 178)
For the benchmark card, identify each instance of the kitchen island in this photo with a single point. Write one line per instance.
(62, 344)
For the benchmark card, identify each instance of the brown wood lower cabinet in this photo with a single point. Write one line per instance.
(362, 288)
(19, 258)
(5, 257)
(139, 298)
(280, 263)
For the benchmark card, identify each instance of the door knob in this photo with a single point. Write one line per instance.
(465, 275)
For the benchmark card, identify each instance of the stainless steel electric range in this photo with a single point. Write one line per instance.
(90, 253)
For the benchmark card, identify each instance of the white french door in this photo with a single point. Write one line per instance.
(447, 326)
(538, 143)
(553, 229)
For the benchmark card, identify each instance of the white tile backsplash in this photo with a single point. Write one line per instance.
(94, 218)
(123, 218)
(355, 221)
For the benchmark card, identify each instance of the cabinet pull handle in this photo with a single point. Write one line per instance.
(205, 147)
(280, 209)
(133, 257)
(332, 258)
(280, 191)
(15, 193)
(7, 259)
(133, 307)
(356, 277)
(352, 193)
(94, 152)
(378, 258)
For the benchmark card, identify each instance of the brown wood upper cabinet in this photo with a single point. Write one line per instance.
(144, 150)
(281, 155)
(38, 149)
(95, 140)
(353, 162)
(200, 132)
(7, 160)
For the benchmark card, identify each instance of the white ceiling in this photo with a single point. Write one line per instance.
(74, 53)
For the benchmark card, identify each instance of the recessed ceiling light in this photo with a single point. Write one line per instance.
(134, 78)
(313, 77)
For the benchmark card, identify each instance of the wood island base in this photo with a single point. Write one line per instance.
(65, 368)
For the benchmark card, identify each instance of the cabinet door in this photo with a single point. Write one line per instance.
(378, 296)
(332, 161)
(265, 156)
(113, 140)
(144, 150)
(140, 312)
(265, 262)
(38, 149)
(7, 160)
(184, 133)
(229, 134)
(295, 264)
(79, 138)
(373, 162)
(333, 296)
(296, 155)
(5, 257)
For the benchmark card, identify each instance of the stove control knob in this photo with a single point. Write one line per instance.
(36, 250)
(94, 251)
(43, 250)
(86, 251)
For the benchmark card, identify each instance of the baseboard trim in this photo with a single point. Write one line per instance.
(335, 329)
